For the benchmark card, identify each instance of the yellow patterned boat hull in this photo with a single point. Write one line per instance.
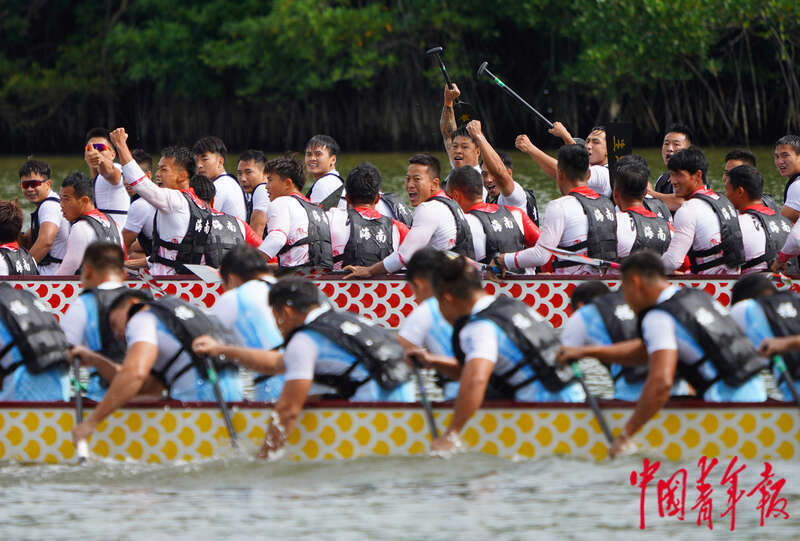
(170, 432)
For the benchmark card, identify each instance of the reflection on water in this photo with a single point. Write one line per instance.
(471, 496)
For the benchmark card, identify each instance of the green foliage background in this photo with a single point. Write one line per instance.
(270, 73)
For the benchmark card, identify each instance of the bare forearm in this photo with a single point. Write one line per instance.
(495, 166)
(258, 221)
(547, 163)
(445, 365)
(655, 394)
(470, 397)
(672, 201)
(627, 353)
(262, 361)
(447, 123)
(107, 368)
(123, 388)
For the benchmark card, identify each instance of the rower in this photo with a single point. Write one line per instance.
(297, 229)
(504, 348)
(598, 179)
(327, 190)
(764, 231)
(159, 335)
(707, 225)
(684, 332)
(498, 180)
(438, 220)
(138, 230)
(250, 172)
(227, 232)
(495, 229)
(425, 333)
(88, 223)
(329, 351)
(737, 157)
(14, 259)
(360, 235)
(108, 191)
(245, 310)
(787, 160)
(678, 137)
(47, 238)
(601, 317)
(209, 155)
(85, 322)
(182, 222)
(637, 227)
(771, 320)
(33, 358)
(581, 220)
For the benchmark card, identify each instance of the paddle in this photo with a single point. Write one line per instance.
(566, 255)
(423, 397)
(590, 399)
(783, 372)
(82, 446)
(484, 70)
(463, 111)
(211, 373)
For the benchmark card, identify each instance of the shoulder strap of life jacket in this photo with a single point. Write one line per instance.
(731, 246)
(782, 311)
(620, 323)
(601, 237)
(402, 213)
(320, 252)
(463, 243)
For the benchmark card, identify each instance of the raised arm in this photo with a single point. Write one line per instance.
(502, 178)
(547, 163)
(560, 131)
(447, 123)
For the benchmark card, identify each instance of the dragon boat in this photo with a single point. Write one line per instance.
(170, 431)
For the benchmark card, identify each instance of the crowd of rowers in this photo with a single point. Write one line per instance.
(655, 339)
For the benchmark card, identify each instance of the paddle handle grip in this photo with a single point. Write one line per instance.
(82, 450)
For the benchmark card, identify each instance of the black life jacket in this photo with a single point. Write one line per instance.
(146, 243)
(370, 240)
(786, 188)
(531, 209)
(34, 331)
(225, 235)
(657, 207)
(770, 203)
(776, 229)
(402, 213)
(536, 341)
(374, 347)
(463, 243)
(783, 315)
(105, 230)
(35, 226)
(651, 232)
(663, 184)
(601, 238)
(320, 252)
(248, 200)
(333, 198)
(620, 322)
(193, 245)
(731, 247)
(503, 234)
(186, 322)
(728, 349)
(19, 261)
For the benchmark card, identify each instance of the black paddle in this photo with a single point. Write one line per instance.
(423, 397)
(223, 407)
(592, 403)
(484, 70)
(777, 360)
(463, 111)
(81, 446)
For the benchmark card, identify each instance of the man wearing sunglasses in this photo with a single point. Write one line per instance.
(47, 237)
(110, 195)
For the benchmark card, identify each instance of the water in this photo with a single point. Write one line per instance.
(470, 496)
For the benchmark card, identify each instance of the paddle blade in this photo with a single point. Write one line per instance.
(82, 450)
(464, 112)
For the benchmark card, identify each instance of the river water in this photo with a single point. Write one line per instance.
(470, 496)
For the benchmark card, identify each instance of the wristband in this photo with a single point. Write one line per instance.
(784, 257)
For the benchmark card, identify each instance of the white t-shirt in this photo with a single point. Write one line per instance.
(563, 224)
(230, 197)
(81, 235)
(173, 218)
(755, 241)
(433, 226)
(793, 196)
(340, 232)
(261, 199)
(325, 186)
(792, 245)
(112, 197)
(140, 218)
(74, 320)
(419, 328)
(697, 228)
(287, 222)
(517, 198)
(599, 179)
(144, 327)
(50, 212)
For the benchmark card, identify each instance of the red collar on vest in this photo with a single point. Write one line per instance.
(96, 214)
(484, 207)
(440, 193)
(704, 191)
(368, 212)
(585, 191)
(10, 246)
(761, 209)
(300, 196)
(197, 201)
(642, 211)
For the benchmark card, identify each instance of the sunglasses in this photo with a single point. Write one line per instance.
(28, 184)
(99, 146)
